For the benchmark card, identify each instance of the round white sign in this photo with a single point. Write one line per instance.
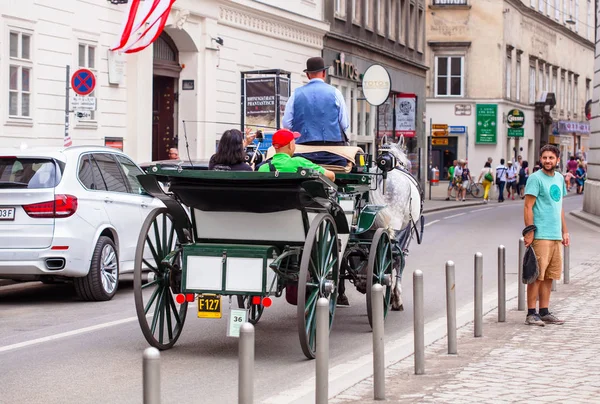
(376, 85)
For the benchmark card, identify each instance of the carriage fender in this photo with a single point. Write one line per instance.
(366, 217)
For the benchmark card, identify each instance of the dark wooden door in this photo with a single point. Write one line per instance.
(163, 117)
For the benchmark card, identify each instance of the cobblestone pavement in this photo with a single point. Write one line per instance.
(512, 362)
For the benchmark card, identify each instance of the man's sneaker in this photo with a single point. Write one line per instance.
(552, 319)
(342, 300)
(534, 319)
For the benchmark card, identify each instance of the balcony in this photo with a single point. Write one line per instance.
(440, 4)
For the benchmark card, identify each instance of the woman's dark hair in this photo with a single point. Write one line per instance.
(525, 164)
(487, 164)
(230, 150)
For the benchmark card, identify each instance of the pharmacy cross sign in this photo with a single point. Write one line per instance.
(83, 81)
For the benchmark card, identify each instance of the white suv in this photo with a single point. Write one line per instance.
(72, 214)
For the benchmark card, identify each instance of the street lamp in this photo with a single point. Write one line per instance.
(570, 20)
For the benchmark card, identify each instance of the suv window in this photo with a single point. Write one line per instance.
(131, 172)
(89, 174)
(30, 173)
(111, 173)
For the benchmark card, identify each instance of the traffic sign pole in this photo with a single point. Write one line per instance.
(67, 139)
(430, 153)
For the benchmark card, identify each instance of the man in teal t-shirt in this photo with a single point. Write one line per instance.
(544, 193)
(285, 144)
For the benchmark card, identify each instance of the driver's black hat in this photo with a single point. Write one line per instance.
(315, 64)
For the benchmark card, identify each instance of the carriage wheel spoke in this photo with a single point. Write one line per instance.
(166, 248)
(171, 235)
(156, 312)
(156, 292)
(147, 285)
(157, 259)
(330, 267)
(150, 266)
(158, 241)
(323, 247)
(174, 308)
(168, 314)
(161, 327)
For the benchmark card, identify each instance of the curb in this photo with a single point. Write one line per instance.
(586, 217)
(449, 207)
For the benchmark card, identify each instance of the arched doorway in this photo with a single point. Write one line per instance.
(164, 97)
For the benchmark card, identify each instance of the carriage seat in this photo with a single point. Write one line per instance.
(347, 153)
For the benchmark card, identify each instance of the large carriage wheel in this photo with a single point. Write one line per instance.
(319, 276)
(379, 270)
(161, 318)
(255, 311)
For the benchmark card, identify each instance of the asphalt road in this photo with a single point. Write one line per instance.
(91, 352)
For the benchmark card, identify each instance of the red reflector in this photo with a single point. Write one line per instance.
(180, 298)
(267, 302)
(255, 299)
(61, 206)
(60, 247)
(190, 297)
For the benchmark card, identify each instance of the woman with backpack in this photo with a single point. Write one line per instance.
(523, 175)
(488, 180)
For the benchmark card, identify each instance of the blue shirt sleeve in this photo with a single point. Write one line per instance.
(343, 114)
(533, 186)
(288, 115)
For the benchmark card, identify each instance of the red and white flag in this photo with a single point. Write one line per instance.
(143, 25)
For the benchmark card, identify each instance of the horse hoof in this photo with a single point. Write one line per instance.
(398, 308)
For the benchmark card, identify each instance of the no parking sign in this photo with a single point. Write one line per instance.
(83, 81)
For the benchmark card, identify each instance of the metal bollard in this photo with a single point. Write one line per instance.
(322, 354)
(246, 365)
(378, 347)
(520, 285)
(151, 376)
(567, 265)
(501, 284)
(419, 322)
(478, 295)
(451, 306)
(554, 285)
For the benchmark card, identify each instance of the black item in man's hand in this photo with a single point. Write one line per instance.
(531, 269)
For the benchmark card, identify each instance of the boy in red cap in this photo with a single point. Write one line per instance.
(284, 142)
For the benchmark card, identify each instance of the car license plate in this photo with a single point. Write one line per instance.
(209, 306)
(7, 213)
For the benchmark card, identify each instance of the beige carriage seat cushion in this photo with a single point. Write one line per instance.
(347, 152)
(338, 169)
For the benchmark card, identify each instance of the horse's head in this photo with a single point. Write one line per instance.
(398, 150)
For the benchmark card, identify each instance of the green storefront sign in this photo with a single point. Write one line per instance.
(516, 132)
(487, 116)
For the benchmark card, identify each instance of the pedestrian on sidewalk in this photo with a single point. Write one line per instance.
(458, 170)
(544, 194)
(523, 175)
(451, 181)
(572, 167)
(580, 177)
(501, 180)
(488, 180)
(465, 180)
(511, 180)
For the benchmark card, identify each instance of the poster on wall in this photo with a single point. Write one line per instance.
(259, 106)
(405, 110)
(385, 124)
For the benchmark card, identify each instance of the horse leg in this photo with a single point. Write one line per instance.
(397, 304)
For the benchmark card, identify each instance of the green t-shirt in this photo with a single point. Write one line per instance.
(549, 192)
(451, 172)
(286, 164)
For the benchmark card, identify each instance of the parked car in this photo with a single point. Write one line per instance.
(73, 214)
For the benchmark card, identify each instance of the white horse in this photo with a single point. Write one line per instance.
(403, 207)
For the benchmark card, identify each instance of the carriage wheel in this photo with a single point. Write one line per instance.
(319, 276)
(161, 318)
(379, 270)
(255, 311)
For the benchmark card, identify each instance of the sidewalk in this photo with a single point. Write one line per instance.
(512, 362)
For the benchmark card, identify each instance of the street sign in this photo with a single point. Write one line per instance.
(439, 142)
(458, 130)
(442, 126)
(83, 103)
(516, 132)
(83, 81)
(83, 114)
(439, 133)
(486, 118)
(515, 118)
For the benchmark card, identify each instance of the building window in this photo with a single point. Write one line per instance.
(547, 78)
(356, 11)
(557, 10)
(587, 90)
(569, 95)
(402, 22)
(541, 78)
(533, 3)
(380, 14)
(449, 80)
(86, 57)
(368, 14)
(542, 5)
(420, 31)
(589, 20)
(576, 17)
(508, 73)
(575, 96)
(562, 92)
(554, 81)
(565, 11)
(518, 79)
(411, 26)
(20, 68)
(340, 8)
(393, 12)
(449, 2)
(531, 84)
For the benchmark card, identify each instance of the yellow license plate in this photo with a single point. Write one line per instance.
(209, 306)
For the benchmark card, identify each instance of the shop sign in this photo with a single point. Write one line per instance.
(573, 127)
(439, 133)
(439, 126)
(376, 85)
(439, 142)
(516, 132)
(346, 70)
(457, 130)
(406, 107)
(486, 118)
(259, 104)
(116, 67)
(462, 109)
(515, 118)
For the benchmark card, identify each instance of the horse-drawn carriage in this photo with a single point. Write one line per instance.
(254, 236)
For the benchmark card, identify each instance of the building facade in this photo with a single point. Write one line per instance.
(508, 77)
(390, 33)
(187, 84)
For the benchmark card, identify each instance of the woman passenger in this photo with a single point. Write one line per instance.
(230, 155)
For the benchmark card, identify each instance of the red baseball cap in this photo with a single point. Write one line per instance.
(283, 137)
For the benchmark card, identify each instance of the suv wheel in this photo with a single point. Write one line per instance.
(103, 277)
